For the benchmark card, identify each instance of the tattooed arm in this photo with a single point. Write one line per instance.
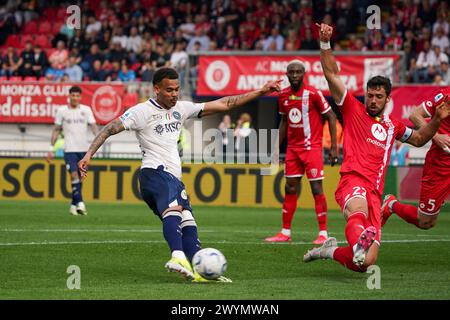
(230, 102)
(110, 129)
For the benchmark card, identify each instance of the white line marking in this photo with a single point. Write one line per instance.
(43, 243)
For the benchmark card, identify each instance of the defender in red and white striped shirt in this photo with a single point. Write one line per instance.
(368, 139)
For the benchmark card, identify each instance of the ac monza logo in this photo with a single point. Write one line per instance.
(379, 132)
(314, 172)
(106, 104)
(295, 115)
(217, 75)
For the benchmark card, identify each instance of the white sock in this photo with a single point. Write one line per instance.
(323, 233)
(178, 254)
(286, 232)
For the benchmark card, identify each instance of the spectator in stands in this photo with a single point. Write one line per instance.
(93, 25)
(292, 40)
(134, 41)
(77, 41)
(113, 74)
(309, 43)
(40, 62)
(58, 59)
(441, 22)
(178, 61)
(97, 73)
(444, 70)
(88, 60)
(116, 52)
(425, 62)
(160, 57)
(242, 133)
(393, 42)
(275, 42)
(73, 70)
(438, 81)
(147, 71)
(119, 37)
(27, 55)
(125, 74)
(410, 59)
(67, 30)
(11, 63)
(440, 39)
(54, 73)
(200, 36)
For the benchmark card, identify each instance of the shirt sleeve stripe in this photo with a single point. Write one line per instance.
(328, 109)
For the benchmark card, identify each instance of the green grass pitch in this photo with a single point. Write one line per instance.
(121, 253)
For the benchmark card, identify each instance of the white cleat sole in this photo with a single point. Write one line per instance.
(175, 267)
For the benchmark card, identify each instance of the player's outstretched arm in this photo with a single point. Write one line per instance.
(110, 129)
(55, 133)
(418, 118)
(428, 130)
(329, 65)
(227, 103)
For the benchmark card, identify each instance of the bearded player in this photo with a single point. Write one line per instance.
(369, 135)
(301, 108)
(436, 172)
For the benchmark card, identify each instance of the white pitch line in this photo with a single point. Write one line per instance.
(201, 231)
(43, 243)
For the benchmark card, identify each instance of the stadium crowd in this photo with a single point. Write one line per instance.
(123, 40)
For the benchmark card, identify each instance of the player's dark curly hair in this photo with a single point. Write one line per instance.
(75, 89)
(164, 73)
(380, 81)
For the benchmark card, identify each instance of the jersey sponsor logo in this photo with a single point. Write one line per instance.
(295, 115)
(74, 121)
(294, 97)
(159, 129)
(379, 132)
(217, 75)
(176, 115)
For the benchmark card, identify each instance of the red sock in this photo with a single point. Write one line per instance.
(289, 207)
(407, 212)
(344, 255)
(321, 211)
(355, 225)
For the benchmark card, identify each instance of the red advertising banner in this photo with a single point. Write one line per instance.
(406, 99)
(38, 102)
(225, 75)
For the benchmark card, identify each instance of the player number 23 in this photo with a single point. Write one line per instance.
(359, 191)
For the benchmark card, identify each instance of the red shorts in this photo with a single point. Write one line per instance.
(298, 161)
(351, 187)
(435, 183)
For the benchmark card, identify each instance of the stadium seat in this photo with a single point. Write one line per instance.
(43, 41)
(31, 27)
(13, 40)
(30, 79)
(50, 13)
(45, 27)
(15, 78)
(57, 27)
(3, 78)
(61, 14)
(25, 38)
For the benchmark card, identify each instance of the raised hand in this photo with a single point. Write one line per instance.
(325, 32)
(272, 86)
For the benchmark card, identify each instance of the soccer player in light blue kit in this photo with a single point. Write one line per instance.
(157, 124)
(74, 120)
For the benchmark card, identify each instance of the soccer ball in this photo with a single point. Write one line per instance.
(210, 263)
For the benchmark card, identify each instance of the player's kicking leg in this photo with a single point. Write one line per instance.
(292, 190)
